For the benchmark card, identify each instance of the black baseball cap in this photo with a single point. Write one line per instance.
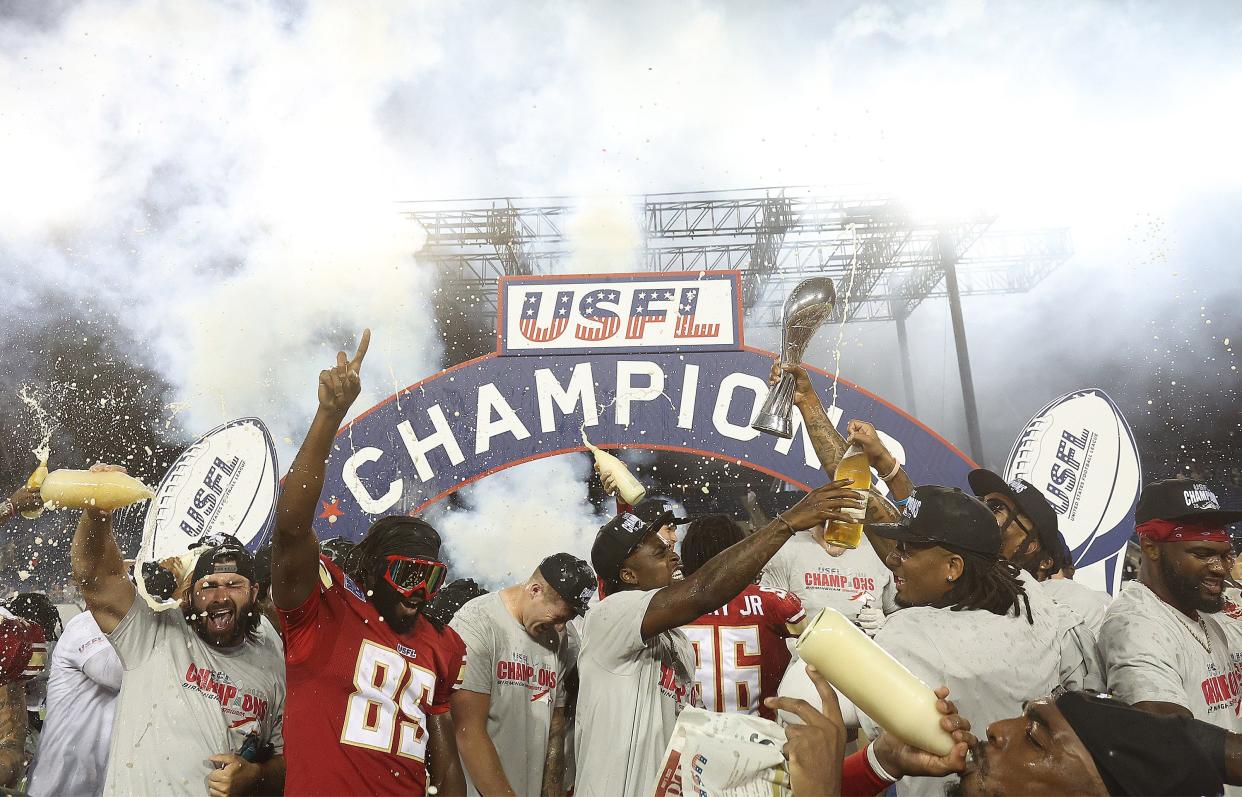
(617, 539)
(657, 509)
(1182, 499)
(1030, 502)
(947, 517)
(572, 578)
(227, 558)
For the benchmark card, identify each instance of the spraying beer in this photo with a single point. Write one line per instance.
(36, 481)
(629, 488)
(89, 489)
(854, 466)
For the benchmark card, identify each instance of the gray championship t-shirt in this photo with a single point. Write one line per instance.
(183, 700)
(1153, 652)
(629, 697)
(991, 663)
(1089, 604)
(522, 676)
(804, 567)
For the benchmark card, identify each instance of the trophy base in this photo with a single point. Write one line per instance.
(773, 425)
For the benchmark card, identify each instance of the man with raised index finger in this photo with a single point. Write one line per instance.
(369, 676)
(636, 666)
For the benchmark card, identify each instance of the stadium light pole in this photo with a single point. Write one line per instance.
(947, 253)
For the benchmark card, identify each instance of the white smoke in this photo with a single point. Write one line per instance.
(512, 520)
(220, 176)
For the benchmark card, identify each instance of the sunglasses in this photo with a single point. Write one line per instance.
(412, 575)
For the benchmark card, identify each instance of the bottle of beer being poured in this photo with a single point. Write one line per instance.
(853, 465)
(629, 488)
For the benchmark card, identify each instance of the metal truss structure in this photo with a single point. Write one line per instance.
(883, 258)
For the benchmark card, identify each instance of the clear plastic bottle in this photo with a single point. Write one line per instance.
(853, 465)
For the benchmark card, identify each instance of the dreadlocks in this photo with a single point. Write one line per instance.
(705, 537)
(395, 535)
(988, 584)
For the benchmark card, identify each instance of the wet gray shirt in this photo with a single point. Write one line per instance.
(991, 663)
(630, 694)
(183, 700)
(804, 567)
(524, 679)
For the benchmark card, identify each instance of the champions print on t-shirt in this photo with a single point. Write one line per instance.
(518, 671)
(834, 579)
(242, 706)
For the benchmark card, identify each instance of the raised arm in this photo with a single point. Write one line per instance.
(828, 443)
(98, 567)
(727, 573)
(295, 550)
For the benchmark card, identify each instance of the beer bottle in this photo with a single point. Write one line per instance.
(629, 488)
(853, 465)
(86, 489)
(35, 482)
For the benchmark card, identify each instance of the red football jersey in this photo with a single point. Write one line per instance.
(358, 695)
(740, 652)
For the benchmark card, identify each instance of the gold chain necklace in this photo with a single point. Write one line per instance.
(1206, 642)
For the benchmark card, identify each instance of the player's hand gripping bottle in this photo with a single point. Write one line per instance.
(34, 483)
(853, 465)
(879, 685)
(629, 488)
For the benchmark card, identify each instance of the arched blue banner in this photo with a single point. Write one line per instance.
(488, 414)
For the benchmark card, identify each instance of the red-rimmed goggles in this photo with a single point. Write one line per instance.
(413, 575)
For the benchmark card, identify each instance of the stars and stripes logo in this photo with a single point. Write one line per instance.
(662, 312)
(529, 325)
(604, 322)
(686, 326)
(643, 313)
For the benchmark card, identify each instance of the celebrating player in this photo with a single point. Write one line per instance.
(971, 625)
(740, 648)
(1162, 640)
(510, 710)
(636, 666)
(1031, 539)
(369, 677)
(213, 679)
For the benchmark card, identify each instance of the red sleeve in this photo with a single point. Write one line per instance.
(453, 669)
(299, 624)
(783, 605)
(23, 650)
(858, 779)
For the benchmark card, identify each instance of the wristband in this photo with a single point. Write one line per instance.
(893, 472)
(787, 524)
(902, 503)
(875, 765)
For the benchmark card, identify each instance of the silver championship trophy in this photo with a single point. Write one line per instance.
(806, 310)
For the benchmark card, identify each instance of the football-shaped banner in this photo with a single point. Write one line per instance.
(1080, 453)
(225, 483)
(489, 414)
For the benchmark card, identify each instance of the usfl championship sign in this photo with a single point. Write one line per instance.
(653, 361)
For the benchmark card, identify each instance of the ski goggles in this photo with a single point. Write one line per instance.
(412, 575)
